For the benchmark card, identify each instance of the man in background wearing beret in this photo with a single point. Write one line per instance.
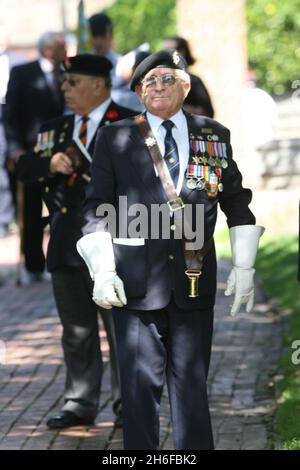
(86, 87)
(162, 289)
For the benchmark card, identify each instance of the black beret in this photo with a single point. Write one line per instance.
(100, 24)
(88, 64)
(169, 58)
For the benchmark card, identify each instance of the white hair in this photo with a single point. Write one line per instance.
(184, 76)
(47, 40)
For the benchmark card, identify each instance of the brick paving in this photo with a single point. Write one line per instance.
(246, 350)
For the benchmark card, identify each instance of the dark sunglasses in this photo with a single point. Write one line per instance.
(70, 81)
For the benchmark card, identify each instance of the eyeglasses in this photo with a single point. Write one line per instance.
(167, 80)
(70, 81)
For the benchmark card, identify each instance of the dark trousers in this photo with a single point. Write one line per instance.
(72, 288)
(32, 237)
(151, 343)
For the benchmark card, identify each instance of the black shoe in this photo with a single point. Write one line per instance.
(67, 419)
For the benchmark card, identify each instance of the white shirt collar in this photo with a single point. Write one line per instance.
(97, 114)
(46, 65)
(155, 122)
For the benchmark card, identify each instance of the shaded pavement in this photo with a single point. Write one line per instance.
(246, 350)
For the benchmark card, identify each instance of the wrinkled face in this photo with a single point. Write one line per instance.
(82, 92)
(163, 92)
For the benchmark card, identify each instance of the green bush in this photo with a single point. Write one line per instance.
(273, 35)
(273, 43)
(138, 21)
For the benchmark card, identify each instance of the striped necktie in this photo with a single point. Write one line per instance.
(171, 156)
(83, 130)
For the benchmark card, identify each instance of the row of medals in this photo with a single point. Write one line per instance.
(200, 183)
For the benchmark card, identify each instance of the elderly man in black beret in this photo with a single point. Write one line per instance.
(61, 163)
(161, 283)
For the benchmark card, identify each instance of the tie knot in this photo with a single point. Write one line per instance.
(85, 118)
(168, 125)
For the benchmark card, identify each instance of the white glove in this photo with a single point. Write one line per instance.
(109, 290)
(244, 241)
(97, 251)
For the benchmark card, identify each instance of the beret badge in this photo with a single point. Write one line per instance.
(175, 57)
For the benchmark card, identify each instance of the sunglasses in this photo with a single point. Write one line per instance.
(70, 81)
(167, 80)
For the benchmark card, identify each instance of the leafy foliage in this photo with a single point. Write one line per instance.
(141, 21)
(276, 266)
(273, 43)
(273, 35)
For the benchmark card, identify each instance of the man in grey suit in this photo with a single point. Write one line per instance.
(162, 288)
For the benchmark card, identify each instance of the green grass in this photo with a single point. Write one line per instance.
(276, 266)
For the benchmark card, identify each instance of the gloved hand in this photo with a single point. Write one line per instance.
(244, 241)
(97, 251)
(108, 290)
(241, 283)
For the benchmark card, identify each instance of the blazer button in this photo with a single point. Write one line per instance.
(171, 257)
(46, 189)
(64, 210)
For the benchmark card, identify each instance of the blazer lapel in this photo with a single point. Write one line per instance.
(66, 130)
(141, 160)
(110, 115)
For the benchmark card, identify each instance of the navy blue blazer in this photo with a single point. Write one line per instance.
(29, 103)
(64, 202)
(122, 166)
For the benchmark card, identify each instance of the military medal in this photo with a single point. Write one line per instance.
(213, 184)
(211, 161)
(191, 183)
(200, 184)
(51, 139)
(224, 163)
(62, 137)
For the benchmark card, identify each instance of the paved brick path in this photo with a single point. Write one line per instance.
(245, 354)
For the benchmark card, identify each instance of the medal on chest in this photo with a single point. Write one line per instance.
(208, 160)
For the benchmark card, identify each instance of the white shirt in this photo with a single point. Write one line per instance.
(95, 117)
(47, 69)
(181, 136)
(4, 76)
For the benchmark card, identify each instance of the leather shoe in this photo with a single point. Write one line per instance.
(66, 419)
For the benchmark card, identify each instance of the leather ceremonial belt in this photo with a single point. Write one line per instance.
(193, 258)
